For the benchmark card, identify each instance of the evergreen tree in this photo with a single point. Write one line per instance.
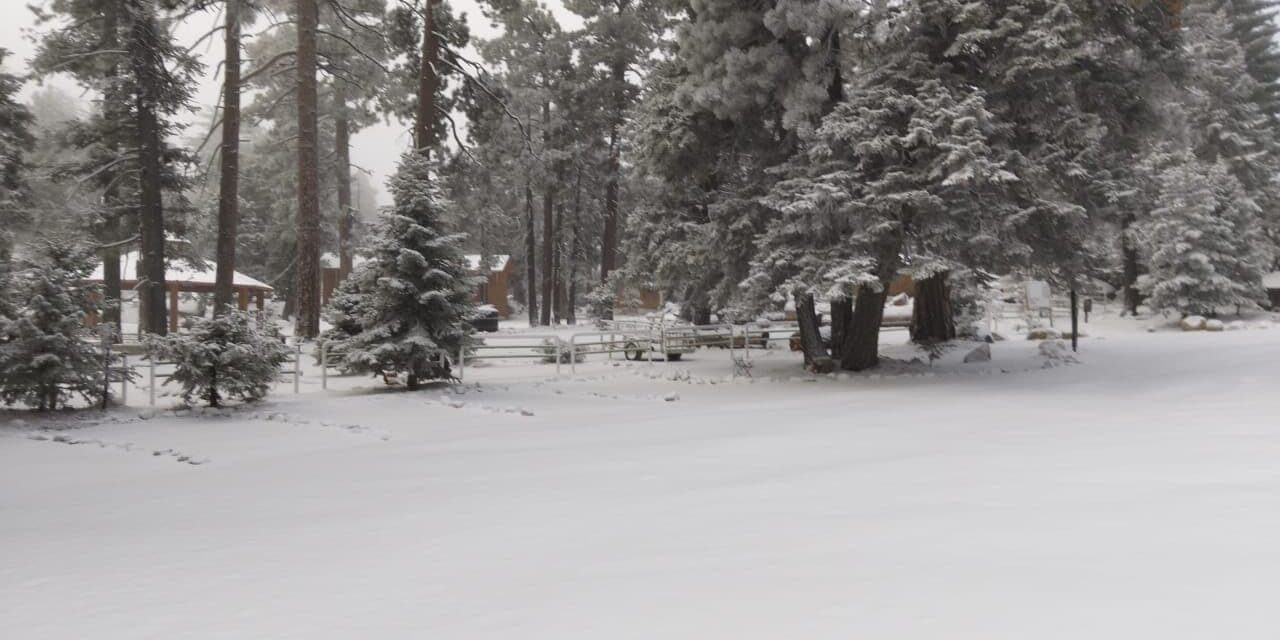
(417, 310)
(46, 355)
(15, 141)
(1206, 242)
(228, 355)
(1253, 24)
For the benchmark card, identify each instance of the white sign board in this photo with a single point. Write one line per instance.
(1038, 295)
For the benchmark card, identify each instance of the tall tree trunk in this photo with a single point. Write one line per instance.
(1129, 254)
(557, 283)
(531, 253)
(111, 269)
(841, 324)
(307, 324)
(862, 345)
(113, 106)
(609, 243)
(428, 79)
(346, 214)
(146, 59)
(229, 185)
(931, 317)
(548, 224)
(815, 355)
(571, 304)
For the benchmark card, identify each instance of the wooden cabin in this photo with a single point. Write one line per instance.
(493, 289)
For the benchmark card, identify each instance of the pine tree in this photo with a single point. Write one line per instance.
(228, 355)
(417, 310)
(46, 355)
(1206, 242)
(15, 140)
(1253, 24)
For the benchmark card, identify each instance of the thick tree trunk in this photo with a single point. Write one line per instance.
(151, 267)
(346, 214)
(816, 357)
(557, 282)
(841, 324)
(1129, 255)
(862, 345)
(229, 184)
(307, 285)
(531, 253)
(609, 243)
(931, 318)
(428, 80)
(111, 270)
(571, 304)
(548, 252)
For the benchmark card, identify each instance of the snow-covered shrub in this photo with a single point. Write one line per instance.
(421, 294)
(46, 354)
(223, 357)
(549, 349)
(343, 315)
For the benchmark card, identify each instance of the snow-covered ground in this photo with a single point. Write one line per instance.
(1135, 494)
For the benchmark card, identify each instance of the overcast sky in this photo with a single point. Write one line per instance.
(375, 149)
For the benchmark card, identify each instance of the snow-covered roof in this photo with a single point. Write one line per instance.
(178, 271)
(1271, 280)
(496, 262)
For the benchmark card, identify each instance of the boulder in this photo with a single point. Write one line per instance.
(981, 354)
(1192, 323)
(1214, 325)
(1236, 325)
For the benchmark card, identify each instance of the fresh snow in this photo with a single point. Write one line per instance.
(1130, 495)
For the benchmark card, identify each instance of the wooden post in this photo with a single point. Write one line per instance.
(173, 307)
(262, 300)
(243, 299)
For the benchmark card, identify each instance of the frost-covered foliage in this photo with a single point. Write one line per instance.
(421, 293)
(15, 140)
(1206, 242)
(223, 357)
(343, 312)
(47, 357)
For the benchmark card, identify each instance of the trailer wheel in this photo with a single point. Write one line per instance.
(674, 357)
(632, 351)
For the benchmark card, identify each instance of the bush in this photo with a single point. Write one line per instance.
(222, 357)
(47, 356)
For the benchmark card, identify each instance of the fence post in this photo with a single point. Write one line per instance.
(124, 379)
(297, 365)
(559, 352)
(151, 368)
(573, 353)
(462, 361)
(324, 365)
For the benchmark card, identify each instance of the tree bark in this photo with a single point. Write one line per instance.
(428, 80)
(862, 344)
(609, 243)
(229, 184)
(346, 214)
(151, 267)
(931, 317)
(307, 324)
(571, 304)
(111, 271)
(548, 224)
(557, 284)
(841, 324)
(531, 253)
(816, 357)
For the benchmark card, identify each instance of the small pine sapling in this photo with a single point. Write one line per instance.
(223, 357)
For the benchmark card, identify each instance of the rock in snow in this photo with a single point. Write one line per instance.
(1192, 323)
(1214, 325)
(981, 354)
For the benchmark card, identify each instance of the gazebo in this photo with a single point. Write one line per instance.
(182, 277)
